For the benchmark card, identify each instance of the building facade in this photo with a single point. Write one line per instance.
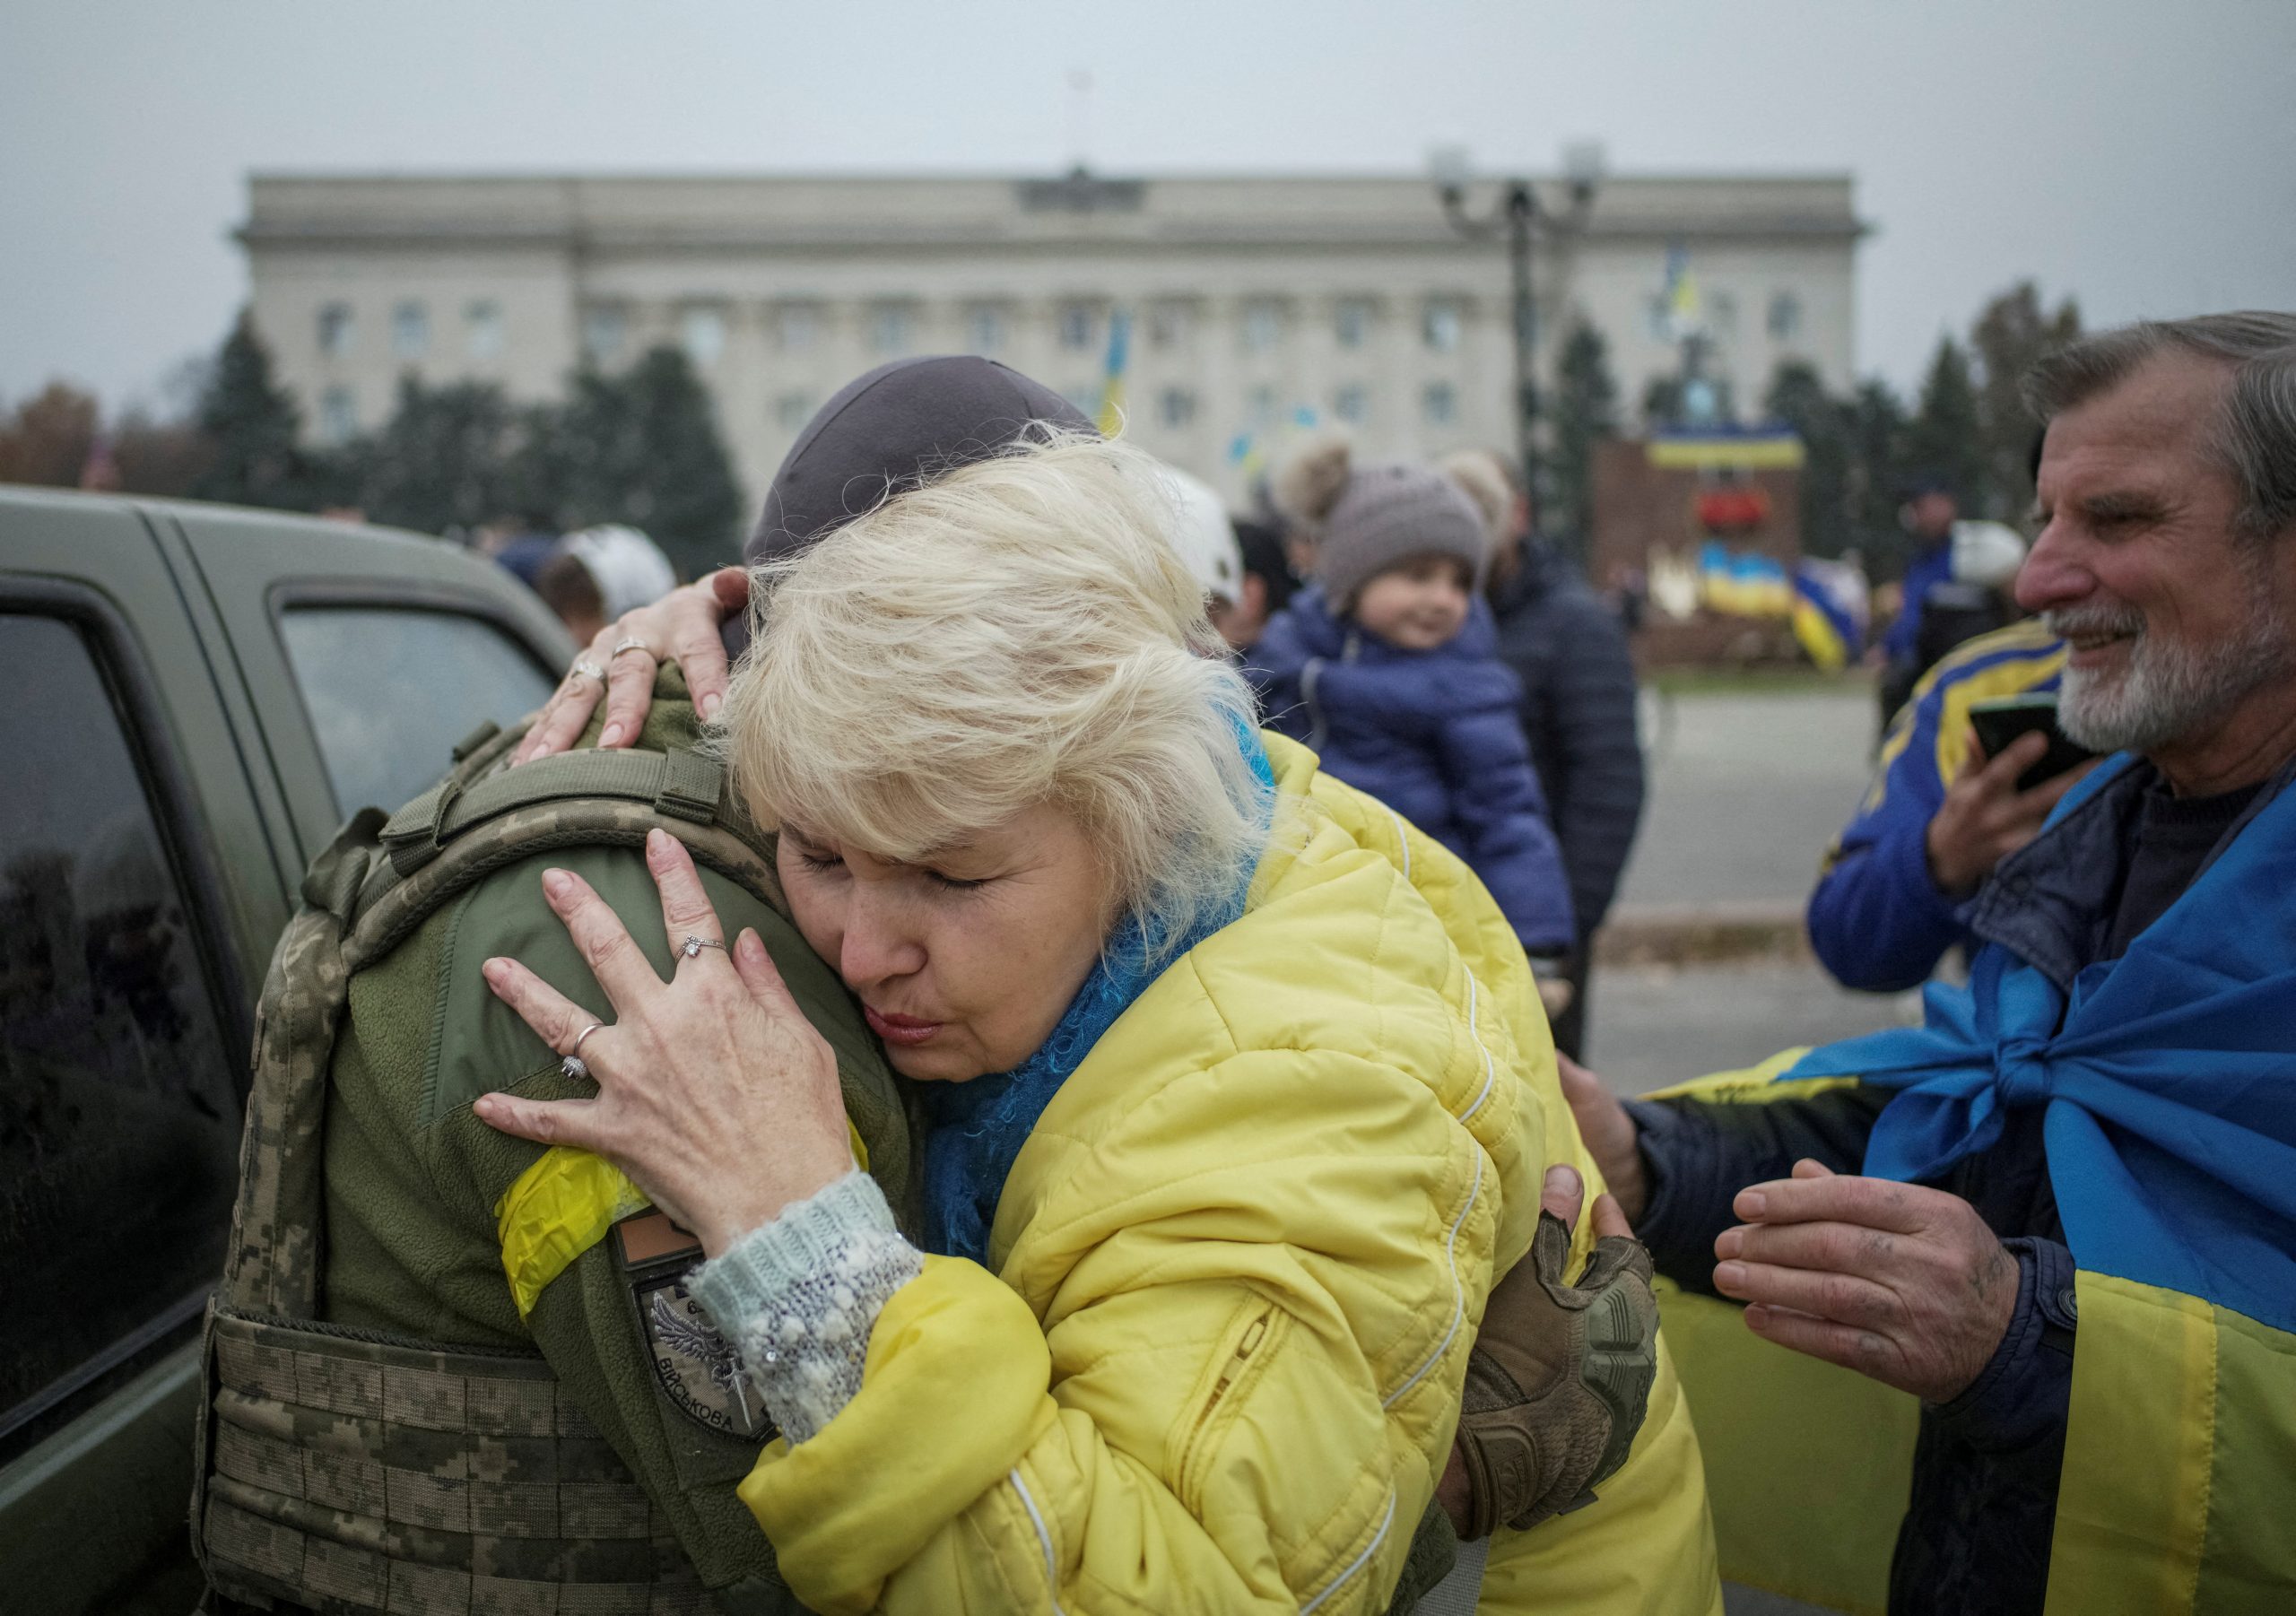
(1253, 306)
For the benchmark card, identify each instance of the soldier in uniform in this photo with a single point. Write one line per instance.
(503, 1396)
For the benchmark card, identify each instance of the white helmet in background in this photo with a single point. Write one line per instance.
(628, 568)
(1203, 537)
(1987, 554)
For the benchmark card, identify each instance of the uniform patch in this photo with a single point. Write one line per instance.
(700, 1372)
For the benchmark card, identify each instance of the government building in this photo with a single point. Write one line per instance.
(1246, 308)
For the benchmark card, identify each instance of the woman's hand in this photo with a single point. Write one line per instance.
(1610, 1134)
(715, 1093)
(682, 626)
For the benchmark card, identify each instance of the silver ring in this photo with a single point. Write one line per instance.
(694, 945)
(632, 643)
(583, 665)
(572, 1066)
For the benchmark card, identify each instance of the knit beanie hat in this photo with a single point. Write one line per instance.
(1366, 519)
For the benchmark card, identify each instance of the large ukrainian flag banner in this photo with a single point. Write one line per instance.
(1744, 583)
(2168, 1083)
(1830, 613)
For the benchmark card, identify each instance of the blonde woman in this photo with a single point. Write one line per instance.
(1242, 1097)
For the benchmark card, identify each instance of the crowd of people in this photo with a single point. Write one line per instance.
(1113, 1124)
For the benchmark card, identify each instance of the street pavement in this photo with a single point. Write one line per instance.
(1745, 792)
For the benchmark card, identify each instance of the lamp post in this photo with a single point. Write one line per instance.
(1519, 217)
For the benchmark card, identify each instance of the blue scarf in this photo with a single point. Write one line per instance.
(2167, 1078)
(980, 1127)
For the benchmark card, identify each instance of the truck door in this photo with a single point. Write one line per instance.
(367, 655)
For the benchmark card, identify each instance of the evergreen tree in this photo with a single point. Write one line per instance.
(1797, 398)
(1946, 436)
(1585, 414)
(2011, 335)
(1877, 465)
(642, 447)
(440, 466)
(1662, 402)
(251, 424)
(535, 472)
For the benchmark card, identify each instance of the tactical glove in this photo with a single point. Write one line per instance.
(1558, 1381)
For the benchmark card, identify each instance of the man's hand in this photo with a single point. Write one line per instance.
(1985, 817)
(1610, 1134)
(1559, 1379)
(1901, 1283)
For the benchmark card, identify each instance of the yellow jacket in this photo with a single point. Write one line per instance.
(1240, 1261)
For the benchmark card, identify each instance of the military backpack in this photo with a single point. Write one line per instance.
(351, 1469)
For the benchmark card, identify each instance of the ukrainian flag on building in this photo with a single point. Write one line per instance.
(1112, 405)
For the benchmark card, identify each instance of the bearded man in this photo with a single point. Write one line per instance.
(2061, 1212)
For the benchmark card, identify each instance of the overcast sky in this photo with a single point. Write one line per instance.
(2137, 154)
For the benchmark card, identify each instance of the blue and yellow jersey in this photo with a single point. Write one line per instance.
(1876, 920)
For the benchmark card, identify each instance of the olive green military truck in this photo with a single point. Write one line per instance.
(192, 699)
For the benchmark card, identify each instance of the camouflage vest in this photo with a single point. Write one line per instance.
(350, 1471)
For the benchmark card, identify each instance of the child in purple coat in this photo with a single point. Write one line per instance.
(1387, 667)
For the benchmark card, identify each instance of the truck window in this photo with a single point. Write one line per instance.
(119, 1120)
(390, 689)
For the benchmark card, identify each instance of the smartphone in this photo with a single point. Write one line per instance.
(1999, 723)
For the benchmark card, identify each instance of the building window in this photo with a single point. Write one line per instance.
(985, 329)
(1176, 407)
(483, 330)
(798, 327)
(1263, 325)
(1440, 325)
(1353, 404)
(792, 411)
(703, 333)
(891, 328)
(1352, 325)
(1439, 403)
(335, 330)
(1080, 326)
(409, 330)
(338, 416)
(606, 329)
(1785, 316)
(1722, 313)
(1171, 324)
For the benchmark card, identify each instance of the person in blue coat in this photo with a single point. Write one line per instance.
(1897, 883)
(1387, 665)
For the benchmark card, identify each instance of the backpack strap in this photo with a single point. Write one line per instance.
(272, 1264)
(679, 785)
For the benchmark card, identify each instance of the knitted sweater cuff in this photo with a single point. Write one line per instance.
(798, 1297)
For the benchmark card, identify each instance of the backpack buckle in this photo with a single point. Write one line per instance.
(690, 788)
(417, 831)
